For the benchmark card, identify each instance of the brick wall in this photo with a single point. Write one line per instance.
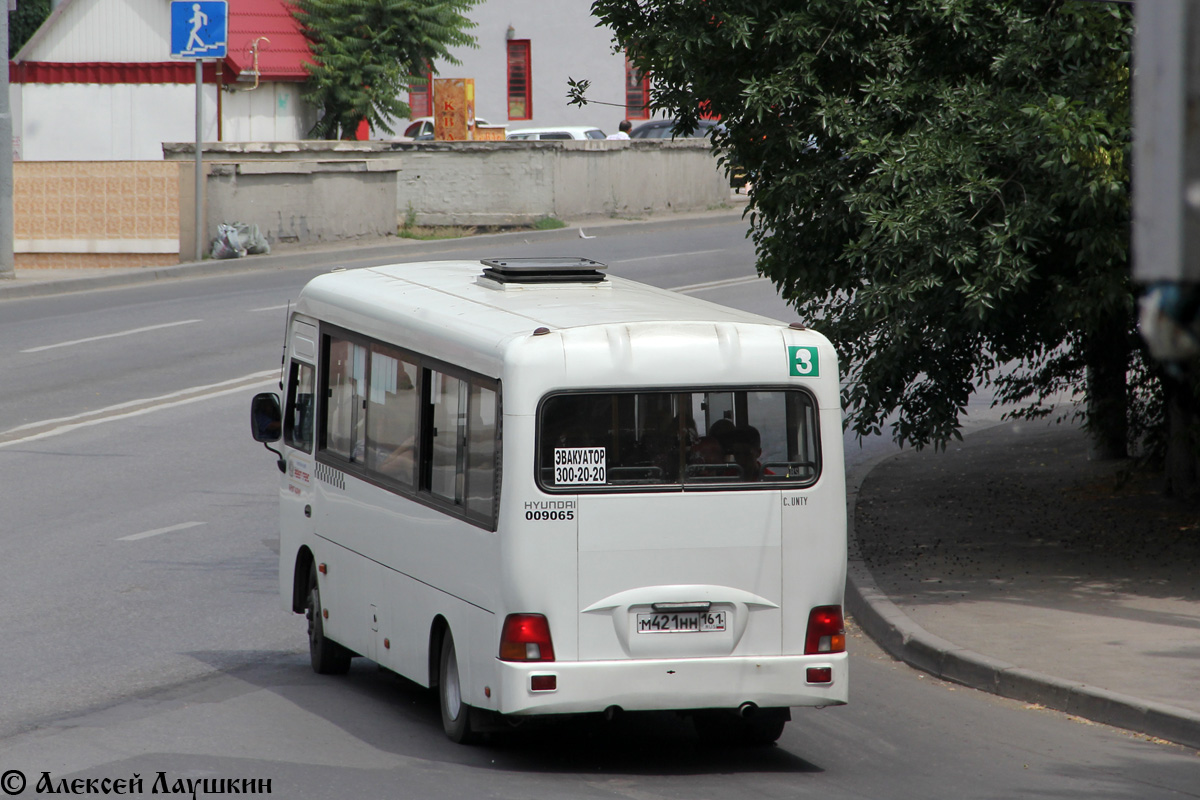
(95, 213)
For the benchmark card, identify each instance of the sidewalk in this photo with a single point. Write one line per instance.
(1012, 564)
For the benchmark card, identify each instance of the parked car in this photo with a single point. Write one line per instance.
(665, 129)
(580, 132)
(421, 128)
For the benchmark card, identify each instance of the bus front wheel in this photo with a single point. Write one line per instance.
(456, 715)
(328, 657)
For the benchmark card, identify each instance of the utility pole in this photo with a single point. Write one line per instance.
(6, 157)
(1166, 142)
(1166, 176)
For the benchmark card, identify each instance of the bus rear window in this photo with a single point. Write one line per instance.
(677, 439)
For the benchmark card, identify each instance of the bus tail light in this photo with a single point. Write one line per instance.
(526, 637)
(819, 675)
(826, 631)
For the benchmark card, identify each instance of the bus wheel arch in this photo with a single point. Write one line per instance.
(300, 575)
(456, 713)
(459, 720)
(327, 656)
(437, 630)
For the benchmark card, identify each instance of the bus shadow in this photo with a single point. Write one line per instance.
(641, 744)
(392, 714)
(644, 743)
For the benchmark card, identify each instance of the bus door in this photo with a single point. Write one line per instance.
(296, 512)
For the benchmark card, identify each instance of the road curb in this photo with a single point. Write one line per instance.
(904, 639)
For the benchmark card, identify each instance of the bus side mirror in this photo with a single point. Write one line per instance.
(266, 423)
(266, 418)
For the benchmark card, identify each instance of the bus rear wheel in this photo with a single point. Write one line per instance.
(327, 657)
(456, 715)
(760, 729)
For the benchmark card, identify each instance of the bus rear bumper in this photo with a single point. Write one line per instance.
(674, 684)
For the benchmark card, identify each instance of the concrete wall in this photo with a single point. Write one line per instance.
(296, 202)
(141, 213)
(511, 183)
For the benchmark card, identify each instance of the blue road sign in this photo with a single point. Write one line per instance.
(199, 28)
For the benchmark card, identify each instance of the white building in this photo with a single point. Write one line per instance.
(527, 51)
(96, 82)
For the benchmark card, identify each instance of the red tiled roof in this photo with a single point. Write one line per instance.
(108, 73)
(282, 48)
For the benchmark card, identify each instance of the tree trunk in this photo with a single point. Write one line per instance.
(1181, 466)
(1107, 360)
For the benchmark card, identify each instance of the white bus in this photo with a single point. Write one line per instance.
(543, 491)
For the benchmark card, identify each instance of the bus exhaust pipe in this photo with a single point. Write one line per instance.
(746, 710)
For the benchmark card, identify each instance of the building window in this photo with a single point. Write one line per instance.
(519, 80)
(420, 95)
(637, 92)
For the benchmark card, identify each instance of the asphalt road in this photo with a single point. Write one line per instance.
(142, 633)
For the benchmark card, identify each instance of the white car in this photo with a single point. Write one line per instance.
(422, 128)
(565, 132)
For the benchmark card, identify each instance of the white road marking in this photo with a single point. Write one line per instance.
(130, 332)
(273, 308)
(134, 408)
(701, 287)
(672, 255)
(133, 537)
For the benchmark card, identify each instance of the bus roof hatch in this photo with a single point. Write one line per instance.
(543, 270)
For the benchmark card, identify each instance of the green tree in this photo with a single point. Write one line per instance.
(23, 22)
(369, 52)
(941, 186)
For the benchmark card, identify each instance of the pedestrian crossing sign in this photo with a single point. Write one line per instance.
(199, 28)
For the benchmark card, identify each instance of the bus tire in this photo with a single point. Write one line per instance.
(327, 657)
(766, 728)
(727, 728)
(456, 715)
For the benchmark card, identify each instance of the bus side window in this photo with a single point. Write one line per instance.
(482, 411)
(345, 418)
(298, 419)
(458, 447)
(447, 404)
(392, 410)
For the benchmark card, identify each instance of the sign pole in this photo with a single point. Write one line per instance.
(199, 196)
(7, 268)
(199, 30)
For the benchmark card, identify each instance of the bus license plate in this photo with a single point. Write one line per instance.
(686, 622)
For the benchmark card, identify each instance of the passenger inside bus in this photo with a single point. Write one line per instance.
(707, 450)
(745, 444)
